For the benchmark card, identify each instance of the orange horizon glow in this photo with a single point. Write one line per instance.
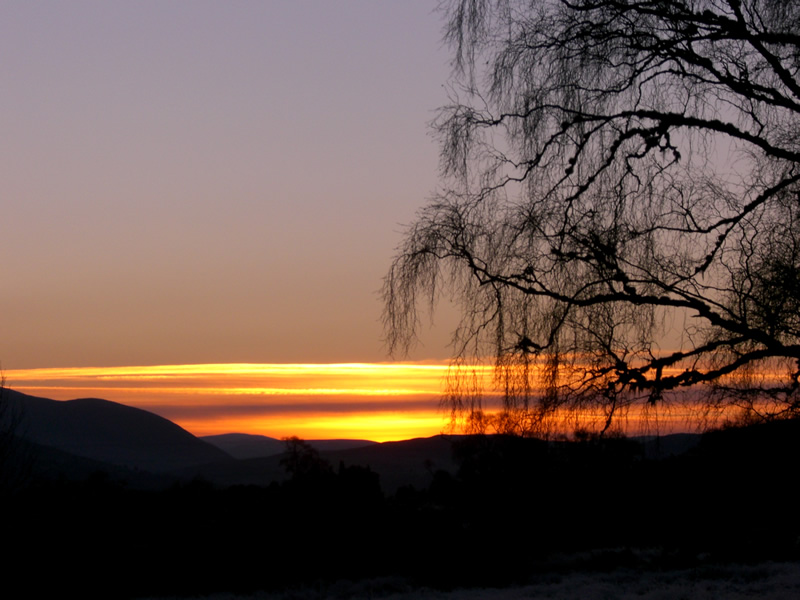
(376, 401)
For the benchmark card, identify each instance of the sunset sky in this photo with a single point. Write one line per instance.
(317, 401)
(211, 182)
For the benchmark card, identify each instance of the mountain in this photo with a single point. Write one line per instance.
(336, 445)
(673, 444)
(113, 433)
(408, 462)
(133, 443)
(74, 438)
(243, 445)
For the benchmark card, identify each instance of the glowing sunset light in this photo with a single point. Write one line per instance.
(379, 401)
(235, 391)
(375, 426)
(411, 376)
(380, 427)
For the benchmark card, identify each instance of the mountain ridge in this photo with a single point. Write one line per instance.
(110, 432)
(248, 445)
(128, 442)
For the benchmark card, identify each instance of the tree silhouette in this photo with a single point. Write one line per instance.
(620, 217)
(301, 460)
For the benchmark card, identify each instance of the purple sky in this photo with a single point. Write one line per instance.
(188, 182)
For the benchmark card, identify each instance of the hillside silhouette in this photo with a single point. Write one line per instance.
(110, 432)
(444, 512)
(244, 445)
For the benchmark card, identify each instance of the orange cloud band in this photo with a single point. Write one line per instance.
(384, 401)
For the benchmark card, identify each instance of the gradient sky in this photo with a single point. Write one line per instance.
(210, 182)
(216, 183)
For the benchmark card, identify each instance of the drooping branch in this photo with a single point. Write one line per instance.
(590, 209)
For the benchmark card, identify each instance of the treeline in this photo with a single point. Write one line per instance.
(513, 508)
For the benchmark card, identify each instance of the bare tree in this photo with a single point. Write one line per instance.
(620, 218)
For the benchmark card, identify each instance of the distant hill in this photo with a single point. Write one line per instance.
(722, 498)
(336, 445)
(106, 435)
(243, 445)
(112, 433)
(673, 444)
(77, 437)
(408, 462)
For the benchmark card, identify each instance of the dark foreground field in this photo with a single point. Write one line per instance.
(517, 513)
(776, 581)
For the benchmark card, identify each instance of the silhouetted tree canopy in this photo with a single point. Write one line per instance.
(619, 218)
(302, 460)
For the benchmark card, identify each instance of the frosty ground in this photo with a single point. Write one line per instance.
(777, 581)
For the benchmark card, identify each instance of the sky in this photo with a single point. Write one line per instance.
(377, 401)
(206, 182)
(188, 183)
